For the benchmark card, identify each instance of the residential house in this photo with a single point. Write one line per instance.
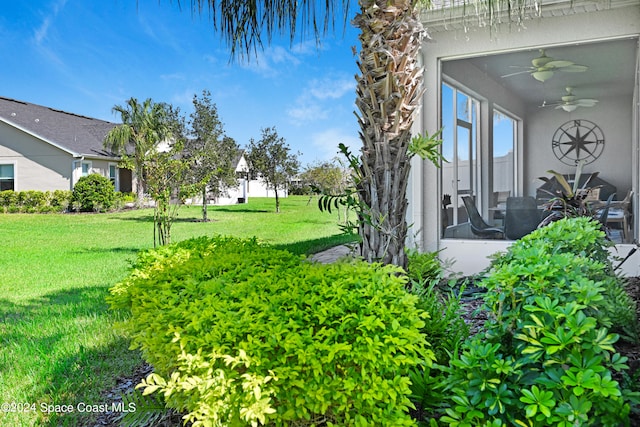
(515, 101)
(45, 149)
(246, 188)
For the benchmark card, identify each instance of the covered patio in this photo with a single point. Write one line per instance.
(516, 102)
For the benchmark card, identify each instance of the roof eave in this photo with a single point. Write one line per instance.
(442, 16)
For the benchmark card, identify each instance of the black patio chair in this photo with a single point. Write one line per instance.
(521, 217)
(478, 225)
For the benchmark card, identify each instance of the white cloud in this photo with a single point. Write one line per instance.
(319, 98)
(41, 33)
(268, 63)
(326, 142)
(332, 88)
(307, 112)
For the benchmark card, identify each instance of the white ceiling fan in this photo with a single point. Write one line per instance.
(570, 102)
(544, 66)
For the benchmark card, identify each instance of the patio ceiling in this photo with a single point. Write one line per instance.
(611, 71)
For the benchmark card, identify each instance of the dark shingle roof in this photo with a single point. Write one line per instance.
(74, 133)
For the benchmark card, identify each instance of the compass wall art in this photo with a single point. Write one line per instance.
(578, 140)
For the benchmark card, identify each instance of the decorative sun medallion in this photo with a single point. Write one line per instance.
(578, 140)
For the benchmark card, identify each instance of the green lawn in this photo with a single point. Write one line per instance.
(58, 341)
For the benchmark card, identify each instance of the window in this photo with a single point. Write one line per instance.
(504, 143)
(113, 175)
(7, 177)
(86, 168)
(460, 172)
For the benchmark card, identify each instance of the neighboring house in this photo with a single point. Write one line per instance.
(507, 119)
(46, 149)
(245, 189)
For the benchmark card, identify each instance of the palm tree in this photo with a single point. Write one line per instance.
(389, 89)
(143, 127)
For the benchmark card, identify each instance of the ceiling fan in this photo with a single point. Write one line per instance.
(570, 102)
(544, 66)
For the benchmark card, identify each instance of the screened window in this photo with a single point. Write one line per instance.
(7, 177)
(504, 143)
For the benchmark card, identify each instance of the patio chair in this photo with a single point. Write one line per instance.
(521, 218)
(478, 225)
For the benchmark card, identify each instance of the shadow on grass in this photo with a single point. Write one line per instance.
(149, 219)
(312, 246)
(239, 210)
(61, 349)
(121, 250)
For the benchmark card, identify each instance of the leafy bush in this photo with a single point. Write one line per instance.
(34, 201)
(94, 193)
(8, 198)
(240, 333)
(423, 267)
(547, 357)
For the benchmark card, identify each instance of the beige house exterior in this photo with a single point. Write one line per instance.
(503, 118)
(46, 149)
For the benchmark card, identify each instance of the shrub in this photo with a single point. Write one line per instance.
(34, 201)
(445, 328)
(94, 193)
(8, 198)
(241, 333)
(61, 199)
(423, 266)
(547, 357)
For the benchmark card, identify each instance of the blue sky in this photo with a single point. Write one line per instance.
(85, 57)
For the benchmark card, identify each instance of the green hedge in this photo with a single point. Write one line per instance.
(241, 333)
(34, 201)
(547, 357)
(57, 201)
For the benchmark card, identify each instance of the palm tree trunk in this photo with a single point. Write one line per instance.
(388, 92)
(139, 187)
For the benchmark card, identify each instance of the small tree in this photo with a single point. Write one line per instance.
(167, 184)
(143, 127)
(210, 151)
(327, 177)
(270, 158)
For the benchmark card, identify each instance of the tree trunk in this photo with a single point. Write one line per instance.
(387, 95)
(277, 199)
(204, 204)
(139, 188)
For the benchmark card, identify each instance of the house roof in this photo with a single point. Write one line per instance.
(78, 135)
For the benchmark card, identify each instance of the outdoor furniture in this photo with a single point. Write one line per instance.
(498, 203)
(521, 218)
(617, 212)
(478, 225)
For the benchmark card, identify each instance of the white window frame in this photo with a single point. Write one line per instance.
(116, 178)
(89, 164)
(15, 172)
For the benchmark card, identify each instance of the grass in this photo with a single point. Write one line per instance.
(59, 341)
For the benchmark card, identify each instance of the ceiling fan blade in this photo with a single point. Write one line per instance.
(515, 74)
(558, 64)
(575, 68)
(587, 102)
